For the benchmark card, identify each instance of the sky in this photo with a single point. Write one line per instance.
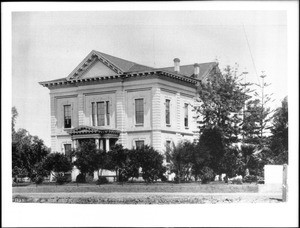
(49, 45)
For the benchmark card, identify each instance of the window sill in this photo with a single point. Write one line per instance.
(187, 128)
(139, 125)
(168, 125)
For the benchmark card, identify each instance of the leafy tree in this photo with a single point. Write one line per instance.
(151, 162)
(27, 151)
(279, 138)
(212, 141)
(222, 99)
(14, 115)
(88, 158)
(118, 161)
(181, 160)
(58, 164)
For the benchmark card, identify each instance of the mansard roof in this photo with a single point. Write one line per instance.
(122, 68)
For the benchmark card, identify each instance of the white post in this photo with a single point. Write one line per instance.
(97, 144)
(107, 145)
(101, 144)
(284, 183)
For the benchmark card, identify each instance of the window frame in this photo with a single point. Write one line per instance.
(136, 112)
(69, 125)
(168, 112)
(186, 115)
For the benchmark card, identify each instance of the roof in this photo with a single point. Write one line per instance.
(188, 70)
(125, 68)
(82, 130)
(124, 65)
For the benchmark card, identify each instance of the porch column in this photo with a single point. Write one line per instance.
(101, 144)
(75, 143)
(97, 144)
(107, 145)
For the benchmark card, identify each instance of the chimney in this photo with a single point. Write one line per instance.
(196, 69)
(176, 65)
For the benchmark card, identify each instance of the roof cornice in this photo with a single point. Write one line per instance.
(122, 76)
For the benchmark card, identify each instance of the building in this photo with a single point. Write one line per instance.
(112, 100)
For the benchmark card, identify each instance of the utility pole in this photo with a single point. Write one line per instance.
(244, 106)
(262, 103)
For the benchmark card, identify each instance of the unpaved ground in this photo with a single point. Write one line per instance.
(146, 198)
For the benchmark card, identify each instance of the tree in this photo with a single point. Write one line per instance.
(27, 151)
(181, 160)
(88, 158)
(14, 115)
(279, 138)
(151, 162)
(58, 164)
(119, 159)
(222, 99)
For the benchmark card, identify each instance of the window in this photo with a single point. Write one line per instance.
(139, 144)
(167, 112)
(100, 113)
(168, 150)
(68, 151)
(107, 113)
(139, 111)
(94, 115)
(186, 115)
(67, 116)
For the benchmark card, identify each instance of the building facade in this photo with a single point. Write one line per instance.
(112, 100)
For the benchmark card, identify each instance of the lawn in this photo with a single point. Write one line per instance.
(214, 187)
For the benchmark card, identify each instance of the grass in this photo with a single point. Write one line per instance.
(213, 187)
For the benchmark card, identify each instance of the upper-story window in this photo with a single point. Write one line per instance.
(186, 115)
(67, 116)
(167, 112)
(100, 113)
(139, 111)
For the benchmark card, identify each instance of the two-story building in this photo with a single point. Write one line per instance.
(112, 100)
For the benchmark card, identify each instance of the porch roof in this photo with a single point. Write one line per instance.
(84, 130)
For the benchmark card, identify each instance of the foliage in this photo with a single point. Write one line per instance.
(14, 115)
(61, 179)
(207, 175)
(279, 139)
(181, 160)
(57, 163)
(38, 173)
(222, 99)
(27, 151)
(80, 178)
(19, 173)
(118, 161)
(102, 180)
(231, 163)
(250, 179)
(151, 162)
(89, 158)
(212, 142)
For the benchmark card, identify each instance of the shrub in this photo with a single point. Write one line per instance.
(250, 179)
(80, 178)
(102, 180)
(38, 179)
(260, 180)
(61, 179)
(207, 174)
(237, 180)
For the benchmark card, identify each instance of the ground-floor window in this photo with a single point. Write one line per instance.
(139, 144)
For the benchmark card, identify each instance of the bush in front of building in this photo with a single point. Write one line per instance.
(250, 179)
(58, 164)
(151, 162)
(102, 180)
(80, 178)
(207, 175)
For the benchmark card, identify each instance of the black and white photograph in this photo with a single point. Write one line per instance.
(150, 114)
